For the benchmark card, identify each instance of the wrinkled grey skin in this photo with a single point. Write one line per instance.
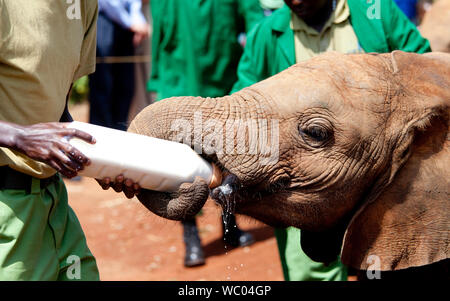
(363, 155)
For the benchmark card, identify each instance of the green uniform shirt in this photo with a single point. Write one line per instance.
(336, 35)
(270, 46)
(195, 45)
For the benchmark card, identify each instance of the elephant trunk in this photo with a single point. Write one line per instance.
(232, 131)
(177, 118)
(214, 127)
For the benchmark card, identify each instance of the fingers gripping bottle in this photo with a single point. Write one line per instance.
(155, 164)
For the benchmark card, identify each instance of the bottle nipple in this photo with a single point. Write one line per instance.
(216, 178)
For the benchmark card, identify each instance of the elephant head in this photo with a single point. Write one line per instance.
(352, 149)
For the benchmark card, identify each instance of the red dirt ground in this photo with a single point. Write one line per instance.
(131, 243)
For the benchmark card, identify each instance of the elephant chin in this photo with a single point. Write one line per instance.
(324, 246)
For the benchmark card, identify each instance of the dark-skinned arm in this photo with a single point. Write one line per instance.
(43, 142)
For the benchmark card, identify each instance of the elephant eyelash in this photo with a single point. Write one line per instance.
(315, 136)
(317, 133)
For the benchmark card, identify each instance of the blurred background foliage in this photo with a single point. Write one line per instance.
(80, 90)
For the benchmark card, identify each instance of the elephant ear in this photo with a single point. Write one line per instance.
(405, 219)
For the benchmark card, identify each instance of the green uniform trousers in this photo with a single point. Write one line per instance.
(297, 266)
(40, 236)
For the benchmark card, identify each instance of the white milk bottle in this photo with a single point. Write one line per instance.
(153, 163)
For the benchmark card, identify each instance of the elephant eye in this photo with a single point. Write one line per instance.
(315, 135)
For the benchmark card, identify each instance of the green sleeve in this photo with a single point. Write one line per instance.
(251, 11)
(252, 67)
(401, 33)
(152, 84)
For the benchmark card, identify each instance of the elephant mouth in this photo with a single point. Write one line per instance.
(225, 195)
(232, 192)
(236, 193)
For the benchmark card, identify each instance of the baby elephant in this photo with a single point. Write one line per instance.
(352, 149)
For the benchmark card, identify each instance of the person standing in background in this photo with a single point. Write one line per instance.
(195, 52)
(121, 27)
(143, 68)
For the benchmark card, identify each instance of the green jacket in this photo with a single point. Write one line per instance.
(195, 45)
(270, 46)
